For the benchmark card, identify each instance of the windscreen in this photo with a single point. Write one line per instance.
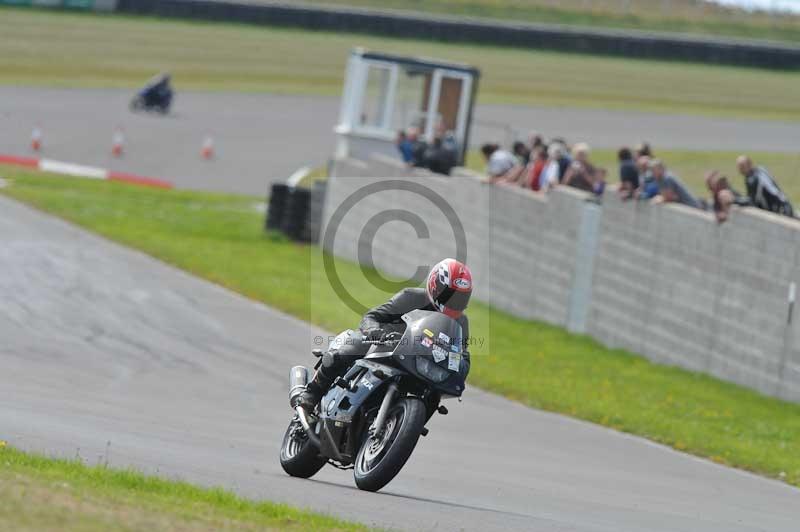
(426, 329)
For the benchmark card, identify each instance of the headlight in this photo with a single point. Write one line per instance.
(430, 370)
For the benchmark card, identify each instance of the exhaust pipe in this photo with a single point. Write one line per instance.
(298, 379)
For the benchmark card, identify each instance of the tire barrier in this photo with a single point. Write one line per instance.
(629, 43)
(295, 211)
(293, 223)
(277, 204)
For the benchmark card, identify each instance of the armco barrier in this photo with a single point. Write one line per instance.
(628, 43)
(663, 281)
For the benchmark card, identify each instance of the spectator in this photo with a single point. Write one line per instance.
(648, 188)
(405, 147)
(723, 196)
(643, 149)
(535, 140)
(551, 174)
(449, 142)
(438, 159)
(564, 160)
(536, 167)
(582, 174)
(762, 189)
(670, 188)
(418, 147)
(628, 174)
(522, 152)
(500, 164)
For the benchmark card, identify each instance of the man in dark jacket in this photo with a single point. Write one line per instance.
(762, 189)
(447, 290)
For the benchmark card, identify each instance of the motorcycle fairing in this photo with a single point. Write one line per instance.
(435, 326)
(340, 405)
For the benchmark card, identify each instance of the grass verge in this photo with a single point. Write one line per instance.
(60, 49)
(43, 494)
(220, 238)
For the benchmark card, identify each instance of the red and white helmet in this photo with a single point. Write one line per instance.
(449, 287)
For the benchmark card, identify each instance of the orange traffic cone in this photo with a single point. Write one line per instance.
(118, 143)
(36, 139)
(207, 151)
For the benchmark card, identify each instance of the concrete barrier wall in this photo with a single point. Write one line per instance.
(526, 241)
(664, 281)
(627, 43)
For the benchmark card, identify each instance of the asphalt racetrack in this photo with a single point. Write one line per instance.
(115, 357)
(260, 138)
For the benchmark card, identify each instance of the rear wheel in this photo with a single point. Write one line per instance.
(382, 456)
(137, 104)
(299, 457)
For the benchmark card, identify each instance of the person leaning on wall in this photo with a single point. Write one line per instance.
(723, 195)
(670, 188)
(628, 174)
(762, 189)
(582, 174)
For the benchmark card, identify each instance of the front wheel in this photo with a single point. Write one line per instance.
(382, 457)
(299, 457)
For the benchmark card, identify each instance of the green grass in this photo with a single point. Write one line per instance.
(688, 16)
(220, 238)
(691, 167)
(43, 494)
(83, 50)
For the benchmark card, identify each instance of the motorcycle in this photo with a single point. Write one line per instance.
(372, 417)
(154, 97)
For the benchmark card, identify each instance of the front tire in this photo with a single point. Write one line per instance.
(379, 460)
(299, 457)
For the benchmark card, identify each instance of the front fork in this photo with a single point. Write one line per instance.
(312, 436)
(383, 412)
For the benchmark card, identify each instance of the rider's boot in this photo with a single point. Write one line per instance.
(315, 389)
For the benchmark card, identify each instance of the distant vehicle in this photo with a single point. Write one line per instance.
(155, 96)
(371, 418)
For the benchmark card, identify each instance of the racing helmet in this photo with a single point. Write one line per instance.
(449, 287)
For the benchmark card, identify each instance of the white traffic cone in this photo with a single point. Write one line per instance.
(36, 139)
(118, 143)
(207, 151)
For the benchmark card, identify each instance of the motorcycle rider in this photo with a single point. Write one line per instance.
(447, 290)
(158, 91)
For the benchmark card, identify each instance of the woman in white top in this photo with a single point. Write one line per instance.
(549, 176)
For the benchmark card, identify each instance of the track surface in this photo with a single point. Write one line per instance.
(261, 138)
(103, 344)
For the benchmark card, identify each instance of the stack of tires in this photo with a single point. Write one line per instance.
(296, 212)
(277, 205)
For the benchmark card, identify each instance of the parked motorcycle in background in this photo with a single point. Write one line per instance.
(155, 96)
(371, 418)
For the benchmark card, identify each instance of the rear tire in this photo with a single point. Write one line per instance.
(380, 460)
(137, 104)
(299, 457)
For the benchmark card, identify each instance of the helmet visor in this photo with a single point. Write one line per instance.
(454, 299)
